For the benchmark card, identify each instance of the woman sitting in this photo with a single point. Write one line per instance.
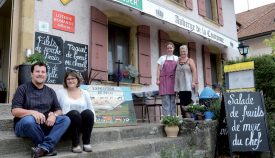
(77, 105)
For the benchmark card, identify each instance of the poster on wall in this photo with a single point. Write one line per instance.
(63, 21)
(113, 105)
(52, 48)
(76, 58)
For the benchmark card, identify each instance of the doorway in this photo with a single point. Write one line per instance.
(5, 34)
(214, 71)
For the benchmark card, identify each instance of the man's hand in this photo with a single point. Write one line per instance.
(51, 119)
(39, 117)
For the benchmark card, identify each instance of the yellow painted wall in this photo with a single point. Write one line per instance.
(22, 38)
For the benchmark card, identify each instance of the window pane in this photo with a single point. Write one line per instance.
(208, 6)
(118, 46)
(213, 60)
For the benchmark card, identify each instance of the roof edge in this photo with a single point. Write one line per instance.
(256, 35)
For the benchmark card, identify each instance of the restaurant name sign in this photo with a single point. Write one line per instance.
(137, 4)
(156, 9)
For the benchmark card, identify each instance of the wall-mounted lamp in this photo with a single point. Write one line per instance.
(243, 49)
(28, 52)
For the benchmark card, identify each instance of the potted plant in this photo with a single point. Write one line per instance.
(189, 111)
(199, 111)
(35, 57)
(24, 70)
(171, 125)
(129, 73)
(215, 107)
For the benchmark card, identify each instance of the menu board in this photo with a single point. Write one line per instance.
(222, 144)
(62, 57)
(76, 58)
(113, 105)
(245, 116)
(52, 48)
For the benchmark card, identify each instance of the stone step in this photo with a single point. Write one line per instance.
(6, 118)
(141, 141)
(139, 148)
(9, 142)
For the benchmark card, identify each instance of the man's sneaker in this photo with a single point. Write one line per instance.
(52, 153)
(87, 147)
(39, 152)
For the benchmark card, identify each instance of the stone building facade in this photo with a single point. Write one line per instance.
(132, 31)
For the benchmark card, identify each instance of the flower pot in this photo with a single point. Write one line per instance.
(199, 116)
(3, 96)
(188, 115)
(171, 131)
(208, 115)
(24, 74)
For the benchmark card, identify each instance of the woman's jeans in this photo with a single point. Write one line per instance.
(42, 136)
(168, 104)
(80, 123)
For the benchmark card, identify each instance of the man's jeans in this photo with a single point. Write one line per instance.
(41, 135)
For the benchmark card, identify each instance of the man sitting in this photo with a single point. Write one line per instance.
(37, 113)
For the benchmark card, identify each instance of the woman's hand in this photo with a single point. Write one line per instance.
(193, 85)
(157, 82)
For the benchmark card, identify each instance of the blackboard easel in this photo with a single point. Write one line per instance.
(246, 122)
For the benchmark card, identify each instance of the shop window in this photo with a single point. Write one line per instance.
(118, 47)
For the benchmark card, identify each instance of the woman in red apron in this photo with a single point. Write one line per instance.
(166, 80)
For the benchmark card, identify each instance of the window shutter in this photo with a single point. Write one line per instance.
(163, 39)
(207, 66)
(144, 54)
(192, 54)
(189, 4)
(202, 7)
(220, 15)
(99, 41)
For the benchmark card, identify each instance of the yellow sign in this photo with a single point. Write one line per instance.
(65, 2)
(241, 90)
(239, 67)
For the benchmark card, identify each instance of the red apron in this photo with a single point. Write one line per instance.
(167, 77)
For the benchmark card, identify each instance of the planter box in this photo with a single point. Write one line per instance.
(128, 80)
(3, 96)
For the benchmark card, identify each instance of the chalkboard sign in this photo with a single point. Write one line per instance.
(222, 144)
(52, 48)
(245, 115)
(76, 58)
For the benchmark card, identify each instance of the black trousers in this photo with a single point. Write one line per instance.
(185, 99)
(80, 123)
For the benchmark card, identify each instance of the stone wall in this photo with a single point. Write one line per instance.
(203, 135)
